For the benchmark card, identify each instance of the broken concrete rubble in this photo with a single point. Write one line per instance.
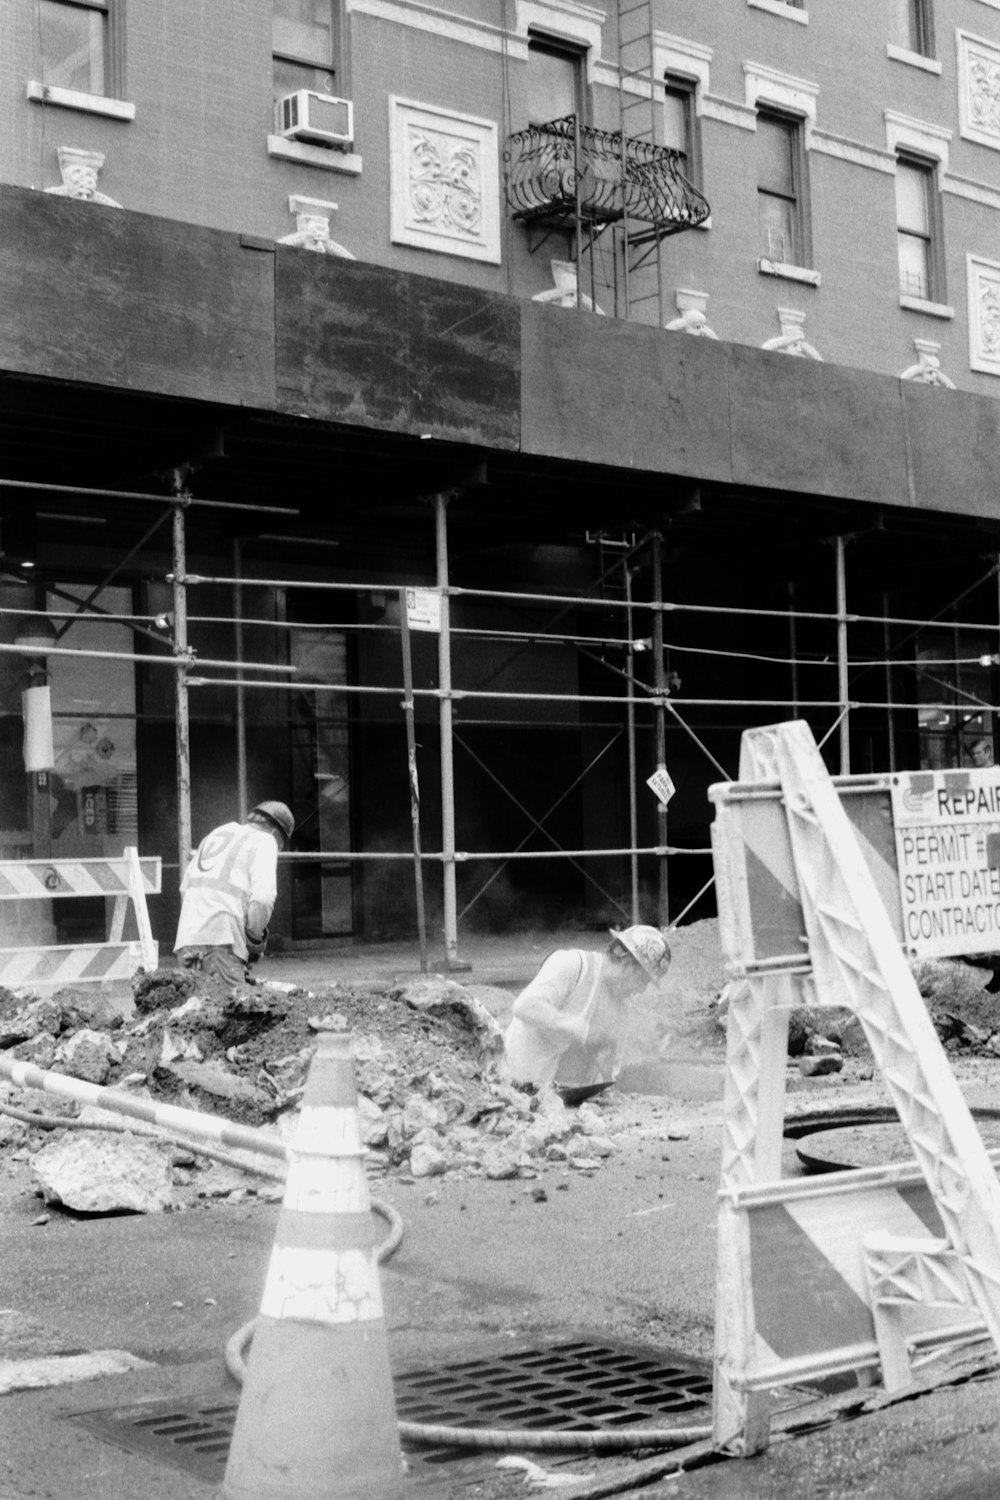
(431, 1099)
(104, 1174)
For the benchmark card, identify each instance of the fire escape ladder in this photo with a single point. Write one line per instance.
(642, 262)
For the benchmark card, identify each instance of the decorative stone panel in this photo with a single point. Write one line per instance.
(979, 90)
(984, 314)
(445, 181)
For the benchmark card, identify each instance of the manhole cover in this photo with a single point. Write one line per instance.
(568, 1386)
(874, 1145)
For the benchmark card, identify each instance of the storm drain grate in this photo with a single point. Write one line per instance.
(567, 1387)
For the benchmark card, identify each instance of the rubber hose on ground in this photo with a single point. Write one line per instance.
(595, 1440)
(269, 1169)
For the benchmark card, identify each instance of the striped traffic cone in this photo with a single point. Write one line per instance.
(317, 1417)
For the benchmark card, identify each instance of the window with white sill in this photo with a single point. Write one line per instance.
(783, 230)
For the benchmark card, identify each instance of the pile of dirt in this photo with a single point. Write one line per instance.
(432, 1099)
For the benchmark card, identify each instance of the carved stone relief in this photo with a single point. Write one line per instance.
(445, 181)
(792, 339)
(312, 227)
(80, 170)
(979, 90)
(927, 370)
(564, 292)
(692, 318)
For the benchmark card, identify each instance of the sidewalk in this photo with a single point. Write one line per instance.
(507, 960)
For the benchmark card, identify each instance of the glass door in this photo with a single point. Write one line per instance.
(321, 782)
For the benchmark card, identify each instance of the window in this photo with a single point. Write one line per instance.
(305, 41)
(948, 673)
(779, 189)
(555, 81)
(680, 124)
(73, 42)
(915, 230)
(912, 26)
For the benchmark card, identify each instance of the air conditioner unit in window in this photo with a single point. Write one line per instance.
(320, 118)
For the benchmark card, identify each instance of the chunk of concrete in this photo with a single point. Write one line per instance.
(97, 1174)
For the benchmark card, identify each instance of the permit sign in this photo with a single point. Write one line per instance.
(947, 829)
(423, 609)
(661, 784)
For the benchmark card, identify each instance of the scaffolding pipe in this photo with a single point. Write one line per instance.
(156, 661)
(464, 856)
(842, 662)
(671, 704)
(242, 796)
(890, 716)
(411, 762)
(660, 725)
(183, 730)
(449, 884)
(793, 649)
(568, 602)
(76, 489)
(633, 816)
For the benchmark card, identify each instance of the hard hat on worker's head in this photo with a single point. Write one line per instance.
(278, 815)
(648, 946)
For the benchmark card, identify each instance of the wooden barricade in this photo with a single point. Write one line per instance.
(125, 878)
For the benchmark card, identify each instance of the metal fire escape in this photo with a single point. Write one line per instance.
(617, 192)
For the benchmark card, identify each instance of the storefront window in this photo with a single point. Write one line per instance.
(93, 788)
(955, 685)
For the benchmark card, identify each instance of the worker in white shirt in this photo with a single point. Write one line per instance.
(228, 893)
(569, 1025)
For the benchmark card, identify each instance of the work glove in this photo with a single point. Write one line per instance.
(256, 944)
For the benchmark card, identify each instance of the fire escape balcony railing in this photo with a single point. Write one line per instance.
(562, 170)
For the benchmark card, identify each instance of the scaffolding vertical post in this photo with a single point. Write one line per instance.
(180, 683)
(887, 648)
(660, 727)
(633, 818)
(793, 650)
(242, 798)
(411, 761)
(843, 687)
(449, 893)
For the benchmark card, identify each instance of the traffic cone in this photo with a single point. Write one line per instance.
(317, 1417)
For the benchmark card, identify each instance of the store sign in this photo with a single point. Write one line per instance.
(661, 785)
(423, 609)
(947, 828)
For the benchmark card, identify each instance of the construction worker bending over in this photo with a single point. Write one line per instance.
(569, 1025)
(228, 893)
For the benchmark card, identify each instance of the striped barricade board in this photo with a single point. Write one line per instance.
(52, 968)
(123, 879)
(809, 1314)
(22, 879)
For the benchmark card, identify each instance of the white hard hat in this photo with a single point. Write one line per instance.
(648, 946)
(278, 814)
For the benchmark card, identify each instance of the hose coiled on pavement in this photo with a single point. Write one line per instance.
(595, 1440)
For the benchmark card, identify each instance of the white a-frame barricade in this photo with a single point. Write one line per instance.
(825, 890)
(123, 878)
